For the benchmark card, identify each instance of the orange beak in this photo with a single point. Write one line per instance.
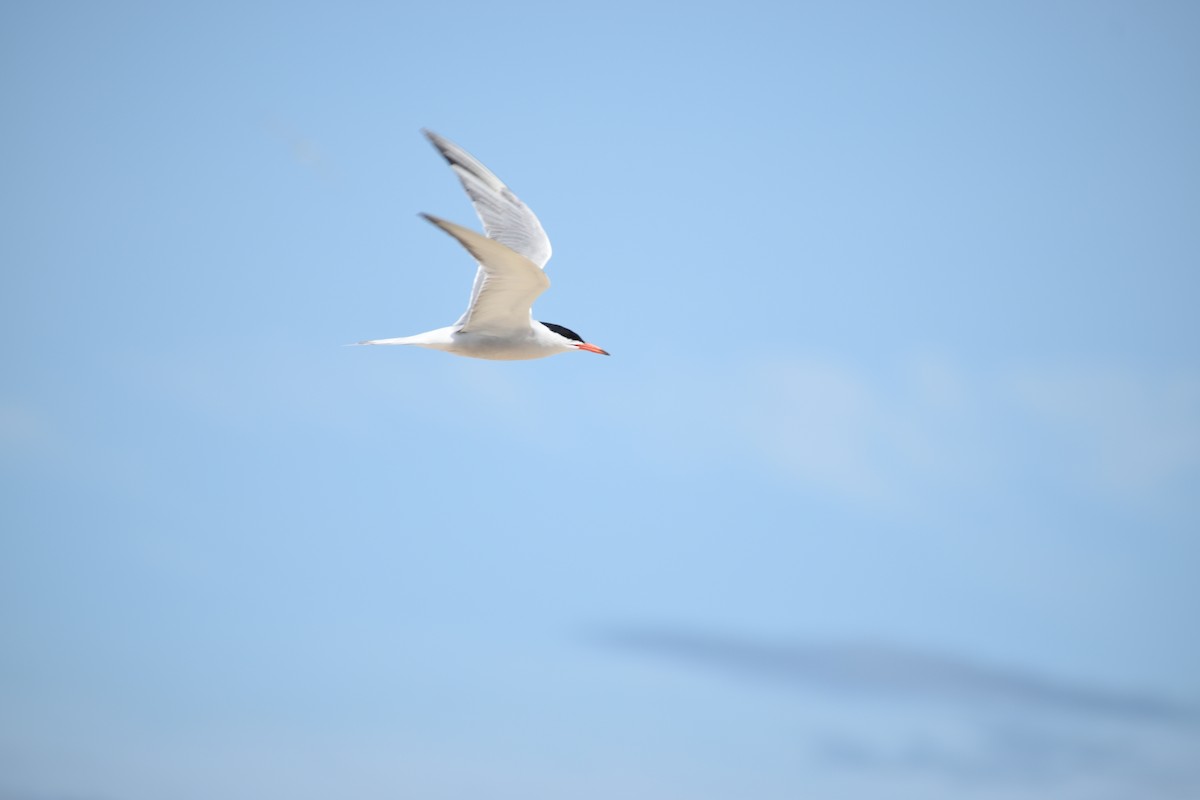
(591, 348)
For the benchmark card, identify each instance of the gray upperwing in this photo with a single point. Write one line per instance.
(505, 218)
(506, 283)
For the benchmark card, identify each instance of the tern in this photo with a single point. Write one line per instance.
(498, 323)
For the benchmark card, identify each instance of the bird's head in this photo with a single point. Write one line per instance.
(574, 339)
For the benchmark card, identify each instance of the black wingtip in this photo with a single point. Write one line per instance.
(439, 143)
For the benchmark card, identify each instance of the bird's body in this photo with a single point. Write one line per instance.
(498, 323)
(538, 342)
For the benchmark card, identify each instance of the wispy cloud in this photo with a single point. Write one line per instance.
(1012, 730)
(892, 435)
(891, 672)
(823, 423)
(1119, 429)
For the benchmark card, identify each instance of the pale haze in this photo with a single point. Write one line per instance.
(890, 488)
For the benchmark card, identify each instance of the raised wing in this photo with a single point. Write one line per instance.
(506, 285)
(505, 218)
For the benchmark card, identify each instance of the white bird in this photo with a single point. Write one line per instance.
(498, 323)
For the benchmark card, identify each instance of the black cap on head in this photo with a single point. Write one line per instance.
(566, 333)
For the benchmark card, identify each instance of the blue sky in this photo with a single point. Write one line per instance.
(890, 484)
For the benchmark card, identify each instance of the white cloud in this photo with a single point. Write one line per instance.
(1119, 429)
(822, 422)
(928, 427)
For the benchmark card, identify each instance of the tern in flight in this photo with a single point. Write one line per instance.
(498, 323)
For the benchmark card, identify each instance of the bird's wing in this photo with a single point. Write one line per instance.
(505, 218)
(505, 287)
